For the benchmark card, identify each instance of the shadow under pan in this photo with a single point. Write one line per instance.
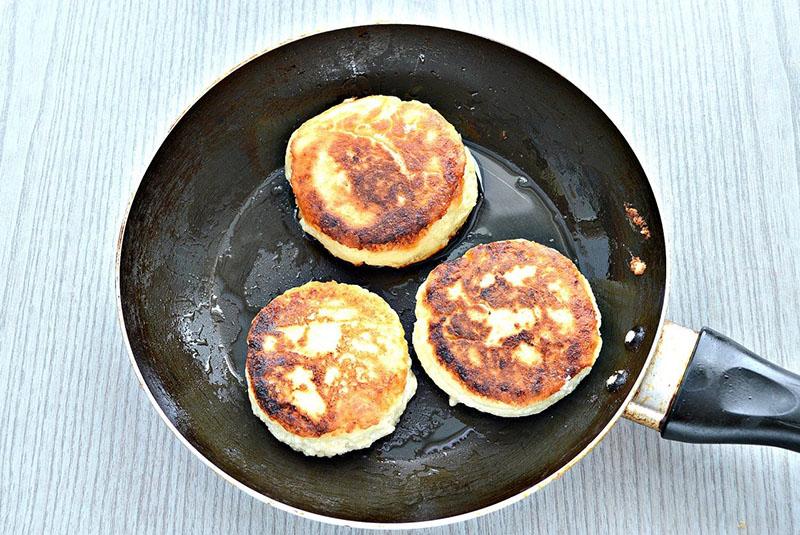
(212, 237)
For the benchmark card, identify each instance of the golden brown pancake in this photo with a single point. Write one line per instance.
(509, 328)
(381, 181)
(327, 368)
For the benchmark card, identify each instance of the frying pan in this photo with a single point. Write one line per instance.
(211, 236)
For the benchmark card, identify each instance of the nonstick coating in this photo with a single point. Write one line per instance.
(211, 237)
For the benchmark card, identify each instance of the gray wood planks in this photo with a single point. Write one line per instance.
(709, 93)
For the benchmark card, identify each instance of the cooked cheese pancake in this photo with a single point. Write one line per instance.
(381, 181)
(509, 328)
(327, 368)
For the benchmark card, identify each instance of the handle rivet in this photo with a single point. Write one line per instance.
(616, 380)
(634, 338)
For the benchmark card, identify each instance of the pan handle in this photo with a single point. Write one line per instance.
(705, 388)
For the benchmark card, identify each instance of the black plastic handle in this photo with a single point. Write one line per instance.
(730, 395)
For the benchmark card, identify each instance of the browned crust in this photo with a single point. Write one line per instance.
(433, 178)
(359, 407)
(500, 376)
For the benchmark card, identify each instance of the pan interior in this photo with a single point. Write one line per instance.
(212, 237)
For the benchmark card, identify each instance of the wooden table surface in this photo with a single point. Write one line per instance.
(709, 93)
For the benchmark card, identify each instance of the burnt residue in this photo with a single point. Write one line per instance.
(637, 221)
(637, 266)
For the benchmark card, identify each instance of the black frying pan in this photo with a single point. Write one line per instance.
(211, 237)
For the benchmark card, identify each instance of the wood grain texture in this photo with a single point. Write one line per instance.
(708, 91)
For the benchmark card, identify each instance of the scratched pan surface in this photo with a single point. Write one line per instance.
(212, 237)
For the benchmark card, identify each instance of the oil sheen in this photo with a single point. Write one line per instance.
(264, 252)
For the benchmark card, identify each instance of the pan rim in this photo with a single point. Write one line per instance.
(438, 522)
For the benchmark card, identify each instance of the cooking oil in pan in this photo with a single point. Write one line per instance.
(264, 252)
